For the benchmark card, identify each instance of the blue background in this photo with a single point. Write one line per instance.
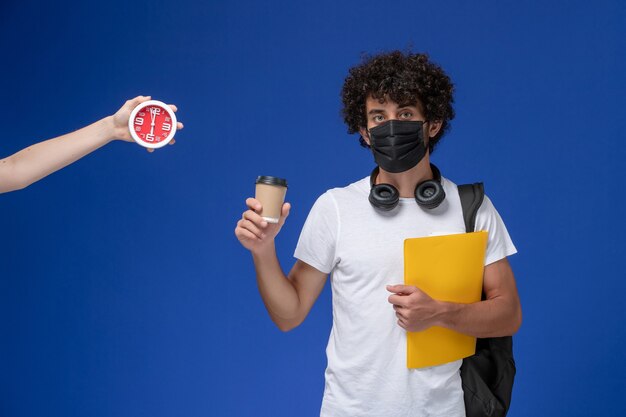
(123, 290)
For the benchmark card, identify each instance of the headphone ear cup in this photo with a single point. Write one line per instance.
(429, 194)
(384, 196)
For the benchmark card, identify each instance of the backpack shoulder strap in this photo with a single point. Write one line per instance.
(472, 196)
(488, 375)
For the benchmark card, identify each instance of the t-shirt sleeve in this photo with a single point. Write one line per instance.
(318, 239)
(499, 244)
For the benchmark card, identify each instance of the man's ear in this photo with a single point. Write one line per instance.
(365, 135)
(433, 128)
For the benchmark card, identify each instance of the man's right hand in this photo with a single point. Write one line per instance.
(254, 233)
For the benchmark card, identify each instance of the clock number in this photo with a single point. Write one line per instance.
(156, 110)
(137, 129)
(167, 127)
(139, 121)
(150, 137)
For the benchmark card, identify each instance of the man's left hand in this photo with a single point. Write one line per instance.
(416, 310)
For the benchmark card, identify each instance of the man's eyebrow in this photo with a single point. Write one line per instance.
(375, 111)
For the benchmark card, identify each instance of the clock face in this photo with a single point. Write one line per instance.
(152, 124)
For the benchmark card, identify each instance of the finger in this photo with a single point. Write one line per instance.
(402, 323)
(138, 100)
(173, 107)
(252, 228)
(397, 300)
(255, 218)
(150, 150)
(286, 209)
(284, 213)
(180, 126)
(401, 289)
(242, 233)
(254, 204)
(172, 142)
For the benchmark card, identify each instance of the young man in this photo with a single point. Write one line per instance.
(29, 165)
(401, 106)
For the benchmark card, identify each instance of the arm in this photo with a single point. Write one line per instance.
(500, 314)
(288, 299)
(29, 165)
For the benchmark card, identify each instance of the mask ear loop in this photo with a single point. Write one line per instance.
(428, 137)
(368, 139)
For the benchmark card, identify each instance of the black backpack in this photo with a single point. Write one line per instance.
(488, 375)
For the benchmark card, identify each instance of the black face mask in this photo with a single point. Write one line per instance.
(398, 145)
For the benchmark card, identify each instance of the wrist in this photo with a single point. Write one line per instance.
(108, 129)
(446, 313)
(264, 250)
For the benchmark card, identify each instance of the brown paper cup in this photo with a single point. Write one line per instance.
(271, 191)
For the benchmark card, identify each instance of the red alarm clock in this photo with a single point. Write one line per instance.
(152, 124)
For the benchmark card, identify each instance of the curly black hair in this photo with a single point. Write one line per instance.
(403, 78)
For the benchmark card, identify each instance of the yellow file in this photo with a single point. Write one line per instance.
(447, 268)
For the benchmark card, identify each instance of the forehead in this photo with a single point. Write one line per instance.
(388, 105)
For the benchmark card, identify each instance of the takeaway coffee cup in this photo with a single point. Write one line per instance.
(270, 191)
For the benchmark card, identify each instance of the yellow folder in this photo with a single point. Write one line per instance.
(447, 268)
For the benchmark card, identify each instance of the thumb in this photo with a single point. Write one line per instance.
(134, 102)
(401, 289)
(284, 214)
(141, 99)
(286, 209)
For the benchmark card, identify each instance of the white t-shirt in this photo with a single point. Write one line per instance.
(363, 250)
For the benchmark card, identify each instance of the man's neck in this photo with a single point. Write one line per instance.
(405, 182)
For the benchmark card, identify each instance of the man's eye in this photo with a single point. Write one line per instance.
(378, 118)
(406, 115)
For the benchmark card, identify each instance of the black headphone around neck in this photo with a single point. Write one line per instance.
(428, 194)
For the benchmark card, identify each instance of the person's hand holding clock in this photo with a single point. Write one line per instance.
(150, 123)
